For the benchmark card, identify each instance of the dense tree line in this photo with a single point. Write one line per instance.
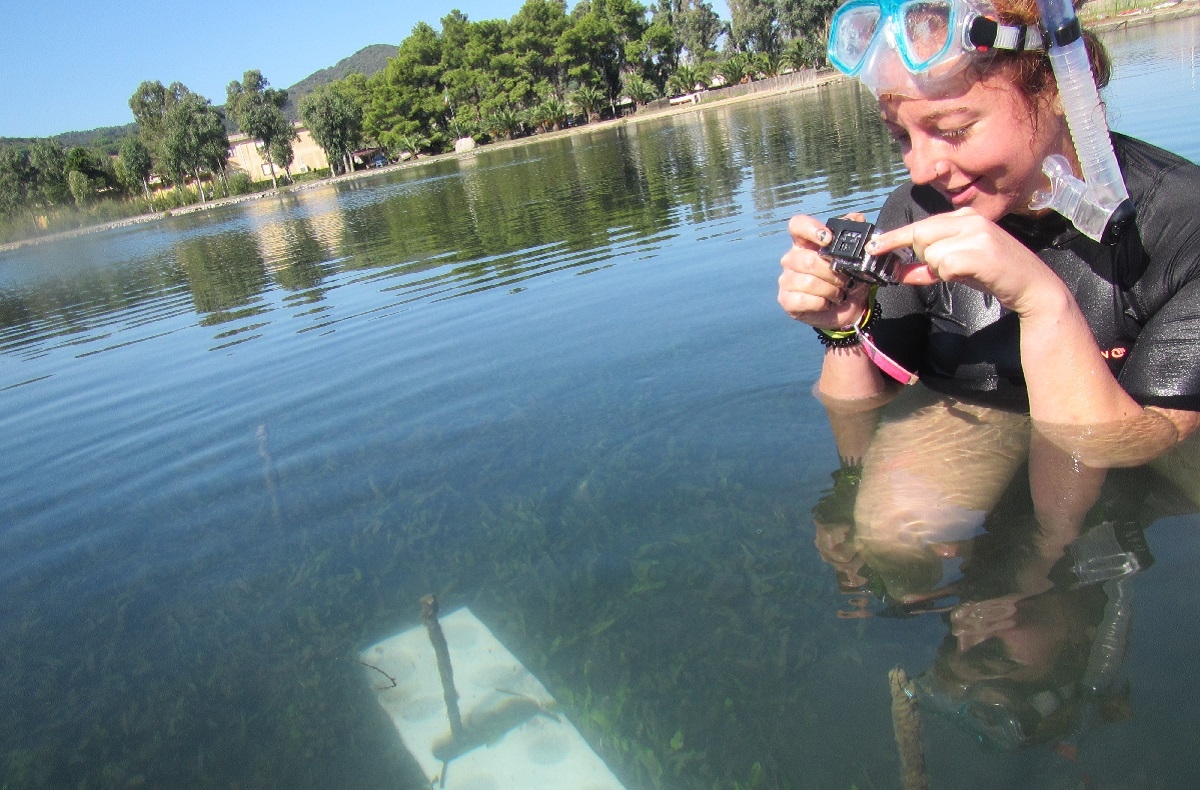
(546, 67)
(541, 70)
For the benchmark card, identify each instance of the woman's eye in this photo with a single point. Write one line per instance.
(957, 133)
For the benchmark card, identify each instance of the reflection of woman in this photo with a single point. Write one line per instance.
(1034, 591)
(1038, 633)
(1005, 305)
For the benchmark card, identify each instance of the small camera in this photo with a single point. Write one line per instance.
(846, 254)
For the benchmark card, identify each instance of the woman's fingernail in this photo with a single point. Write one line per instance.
(823, 236)
(872, 245)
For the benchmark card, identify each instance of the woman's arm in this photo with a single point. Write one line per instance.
(1068, 380)
(811, 292)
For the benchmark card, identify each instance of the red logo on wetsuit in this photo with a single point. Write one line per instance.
(1115, 356)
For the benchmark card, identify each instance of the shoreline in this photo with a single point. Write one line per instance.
(1135, 18)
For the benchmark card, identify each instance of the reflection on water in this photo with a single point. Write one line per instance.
(549, 383)
(1156, 83)
(1029, 557)
(457, 226)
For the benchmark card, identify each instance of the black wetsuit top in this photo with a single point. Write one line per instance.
(1141, 297)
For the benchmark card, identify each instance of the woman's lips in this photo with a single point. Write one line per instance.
(961, 195)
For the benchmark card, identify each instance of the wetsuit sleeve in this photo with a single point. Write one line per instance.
(1163, 366)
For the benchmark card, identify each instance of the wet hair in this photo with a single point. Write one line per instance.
(1030, 72)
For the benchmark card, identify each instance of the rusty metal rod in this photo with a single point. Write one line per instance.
(429, 616)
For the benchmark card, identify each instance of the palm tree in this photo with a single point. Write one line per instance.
(589, 99)
(682, 81)
(637, 89)
(765, 64)
(505, 122)
(735, 69)
(413, 143)
(806, 52)
(550, 114)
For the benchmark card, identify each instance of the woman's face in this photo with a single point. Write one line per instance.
(982, 149)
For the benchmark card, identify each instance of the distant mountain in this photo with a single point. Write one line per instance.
(104, 138)
(368, 61)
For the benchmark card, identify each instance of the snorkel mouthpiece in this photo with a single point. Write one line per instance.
(1099, 204)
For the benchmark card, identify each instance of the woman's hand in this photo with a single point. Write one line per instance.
(962, 246)
(809, 290)
(1066, 376)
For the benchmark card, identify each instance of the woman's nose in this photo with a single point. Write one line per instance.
(925, 163)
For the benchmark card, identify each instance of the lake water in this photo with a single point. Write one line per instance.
(550, 383)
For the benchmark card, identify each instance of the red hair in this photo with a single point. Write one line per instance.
(1030, 71)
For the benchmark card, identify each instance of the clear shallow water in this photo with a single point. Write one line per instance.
(550, 383)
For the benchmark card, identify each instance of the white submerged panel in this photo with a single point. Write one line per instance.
(523, 741)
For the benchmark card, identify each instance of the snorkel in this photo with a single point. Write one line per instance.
(1099, 205)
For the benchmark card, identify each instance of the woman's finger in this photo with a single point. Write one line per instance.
(828, 286)
(808, 231)
(921, 234)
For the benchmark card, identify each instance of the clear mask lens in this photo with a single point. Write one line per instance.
(908, 48)
(927, 33)
(853, 31)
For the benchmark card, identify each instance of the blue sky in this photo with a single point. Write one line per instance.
(72, 66)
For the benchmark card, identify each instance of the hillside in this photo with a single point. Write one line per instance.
(367, 60)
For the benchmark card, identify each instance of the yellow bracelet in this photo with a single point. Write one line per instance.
(848, 335)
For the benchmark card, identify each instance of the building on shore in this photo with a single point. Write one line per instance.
(248, 155)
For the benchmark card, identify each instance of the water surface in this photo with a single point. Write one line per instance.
(550, 383)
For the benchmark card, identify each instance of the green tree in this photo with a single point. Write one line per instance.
(257, 109)
(682, 81)
(506, 122)
(95, 165)
(334, 119)
(461, 126)
(477, 73)
(192, 133)
(595, 48)
(16, 181)
(754, 26)
(149, 106)
(589, 100)
(807, 19)
(638, 89)
(765, 64)
(550, 114)
(214, 143)
(736, 68)
(656, 55)
(47, 161)
(407, 97)
(807, 52)
(531, 38)
(282, 153)
(80, 186)
(698, 28)
(413, 143)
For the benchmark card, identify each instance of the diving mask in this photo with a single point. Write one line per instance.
(918, 47)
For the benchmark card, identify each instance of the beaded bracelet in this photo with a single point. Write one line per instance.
(848, 336)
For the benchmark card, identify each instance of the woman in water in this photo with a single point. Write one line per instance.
(1004, 305)
(1039, 348)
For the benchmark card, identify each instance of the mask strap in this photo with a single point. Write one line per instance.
(984, 33)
